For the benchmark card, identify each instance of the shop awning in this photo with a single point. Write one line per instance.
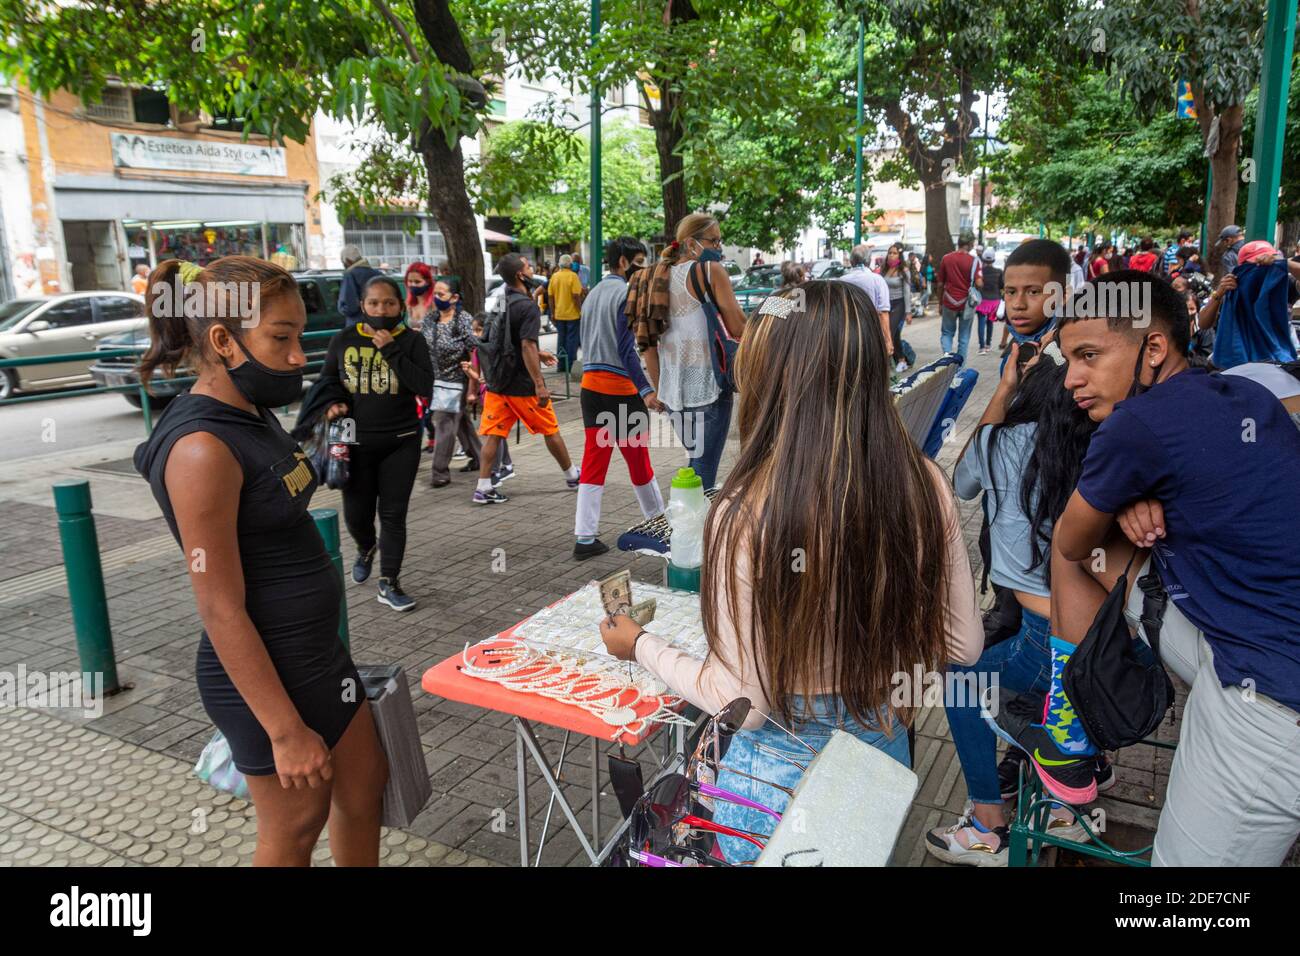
(491, 235)
(110, 198)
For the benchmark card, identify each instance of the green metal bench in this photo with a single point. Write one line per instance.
(1029, 828)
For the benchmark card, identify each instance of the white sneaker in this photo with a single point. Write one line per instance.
(900, 367)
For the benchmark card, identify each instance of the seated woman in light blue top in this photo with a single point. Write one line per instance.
(1025, 459)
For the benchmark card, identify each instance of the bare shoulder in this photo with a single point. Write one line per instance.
(202, 465)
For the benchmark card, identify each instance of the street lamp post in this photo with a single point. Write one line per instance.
(857, 140)
(1270, 120)
(597, 245)
(984, 162)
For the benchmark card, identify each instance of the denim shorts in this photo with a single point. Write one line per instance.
(769, 753)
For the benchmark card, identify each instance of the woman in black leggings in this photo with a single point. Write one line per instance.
(234, 489)
(382, 366)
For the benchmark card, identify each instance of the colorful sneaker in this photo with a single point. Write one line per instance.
(1019, 722)
(391, 593)
(1104, 773)
(361, 569)
(1009, 775)
(967, 843)
(490, 497)
(573, 483)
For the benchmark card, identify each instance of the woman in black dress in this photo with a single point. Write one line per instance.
(234, 489)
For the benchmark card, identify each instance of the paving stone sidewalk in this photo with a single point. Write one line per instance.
(475, 571)
(70, 796)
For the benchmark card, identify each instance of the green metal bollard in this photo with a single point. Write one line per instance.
(85, 581)
(327, 523)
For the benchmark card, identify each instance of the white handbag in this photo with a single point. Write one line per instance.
(446, 396)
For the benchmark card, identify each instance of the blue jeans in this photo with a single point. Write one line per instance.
(568, 339)
(702, 429)
(1021, 664)
(985, 330)
(952, 323)
(754, 752)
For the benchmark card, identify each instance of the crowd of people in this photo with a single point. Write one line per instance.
(1108, 444)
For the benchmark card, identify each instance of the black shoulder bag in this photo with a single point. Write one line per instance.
(1118, 693)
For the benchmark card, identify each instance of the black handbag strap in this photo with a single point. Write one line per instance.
(1154, 602)
(703, 293)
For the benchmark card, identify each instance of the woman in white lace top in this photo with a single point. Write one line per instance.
(679, 365)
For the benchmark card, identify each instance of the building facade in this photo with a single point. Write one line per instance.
(130, 181)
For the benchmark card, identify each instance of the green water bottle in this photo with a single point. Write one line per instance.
(687, 509)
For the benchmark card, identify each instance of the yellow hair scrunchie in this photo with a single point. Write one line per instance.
(190, 272)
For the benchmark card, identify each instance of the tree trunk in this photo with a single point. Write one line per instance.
(449, 204)
(448, 200)
(1223, 194)
(938, 231)
(668, 134)
(668, 128)
(1290, 234)
(934, 166)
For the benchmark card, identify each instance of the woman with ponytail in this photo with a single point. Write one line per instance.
(672, 330)
(234, 489)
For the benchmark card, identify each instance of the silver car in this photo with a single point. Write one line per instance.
(59, 325)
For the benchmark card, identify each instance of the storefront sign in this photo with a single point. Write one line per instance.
(157, 152)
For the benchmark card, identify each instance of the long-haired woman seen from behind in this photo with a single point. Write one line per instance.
(673, 332)
(234, 489)
(1025, 457)
(833, 555)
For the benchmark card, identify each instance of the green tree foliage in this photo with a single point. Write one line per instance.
(1215, 45)
(540, 175)
(409, 69)
(1081, 155)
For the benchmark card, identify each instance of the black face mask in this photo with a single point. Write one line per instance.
(632, 270)
(1138, 388)
(264, 387)
(388, 322)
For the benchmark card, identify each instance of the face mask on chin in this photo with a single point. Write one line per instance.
(262, 386)
(387, 322)
(710, 255)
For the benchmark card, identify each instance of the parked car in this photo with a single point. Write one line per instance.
(827, 269)
(734, 272)
(61, 324)
(320, 296)
(766, 276)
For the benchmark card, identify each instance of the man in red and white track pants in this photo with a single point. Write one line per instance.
(616, 397)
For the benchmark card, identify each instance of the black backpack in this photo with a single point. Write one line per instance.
(496, 350)
(1119, 695)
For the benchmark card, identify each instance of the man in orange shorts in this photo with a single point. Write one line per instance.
(522, 395)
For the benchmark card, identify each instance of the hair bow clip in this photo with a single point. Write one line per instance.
(777, 305)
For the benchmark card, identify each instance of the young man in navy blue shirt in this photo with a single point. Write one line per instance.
(1205, 470)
